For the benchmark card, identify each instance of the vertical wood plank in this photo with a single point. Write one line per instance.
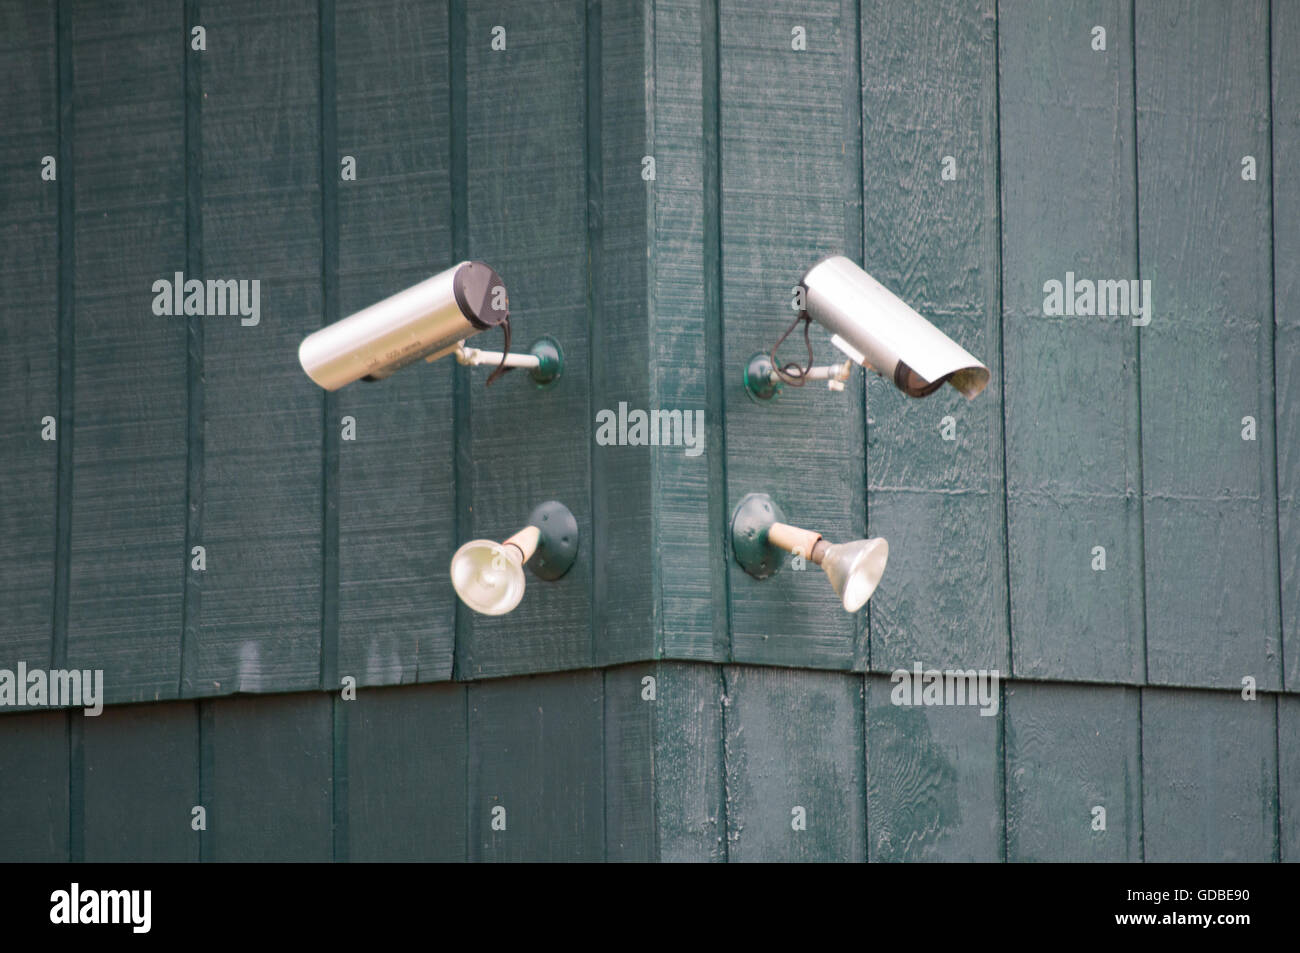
(1211, 542)
(141, 783)
(528, 219)
(1286, 316)
(794, 743)
(929, 82)
(34, 787)
(260, 624)
(127, 563)
(934, 781)
(689, 769)
(1070, 749)
(1209, 776)
(396, 505)
(1073, 432)
(271, 780)
(786, 139)
(625, 580)
(631, 723)
(406, 763)
(29, 330)
(688, 492)
(1288, 739)
(535, 750)
(663, 764)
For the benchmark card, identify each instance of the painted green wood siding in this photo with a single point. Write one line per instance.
(938, 502)
(1203, 103)
(140, 772)
(124, 606)
(29, 330)
(1071, 749)
(1285, 132)
(1073, 432)
(712, 768)
(788, 159)
(327, 557)
(393, 114)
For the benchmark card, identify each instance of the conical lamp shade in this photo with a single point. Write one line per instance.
(855, 569)
(488, 577)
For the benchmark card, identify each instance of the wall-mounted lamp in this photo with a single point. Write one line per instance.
(429, 320)
(489, 576)
(759, 530)
(875, 328)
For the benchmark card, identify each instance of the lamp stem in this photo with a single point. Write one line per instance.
(796, 540)
(525, 541)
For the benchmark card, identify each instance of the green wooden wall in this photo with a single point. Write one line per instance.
(327, 558)
(588, 767)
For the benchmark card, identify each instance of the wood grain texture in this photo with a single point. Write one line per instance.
(29, 330)
(794, 742)
(1286, 316)
(128, 562)
(1211, 544)
(1288, 740)
(631, 722)
(34, 805)
(528, 217)
(1070, 749)
(535, 749)
(396, 512)
(406, 763)
(581, 136)
(929, 82)
(1073, 454)
(271, 780)
(691, 812)
(141, 765)
(624, 603)
(785, 138)
(934, 781)
(588, 769)
(260, 619)
(1209, 776)
(221, 164)
(689, 498)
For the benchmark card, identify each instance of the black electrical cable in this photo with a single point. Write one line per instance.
(501, 368)
(792, 373)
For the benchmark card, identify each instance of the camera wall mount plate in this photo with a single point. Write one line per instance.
(762, 382)
(550, 362)
(758, 378)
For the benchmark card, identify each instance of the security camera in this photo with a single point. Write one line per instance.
(878, 330)
(428, 320)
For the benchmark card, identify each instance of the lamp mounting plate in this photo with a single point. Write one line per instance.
(750, 523)
(557, 547)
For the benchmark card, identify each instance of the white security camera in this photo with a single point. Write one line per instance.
(428, 320)
(878, 330)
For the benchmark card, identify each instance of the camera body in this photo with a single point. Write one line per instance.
(878, 330)
(426, 321)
